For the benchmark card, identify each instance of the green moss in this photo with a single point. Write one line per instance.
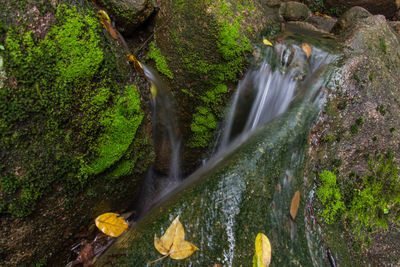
(161, 62)
(377, 200)
(381, 109)
(120, 123)
(232, 46)
(52, 114)
(203, 124)
(329, 196)
(382, 45)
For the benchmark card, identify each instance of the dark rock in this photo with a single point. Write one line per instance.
(388, 8)
(272, 3)
(395, 25)
(323, 23)
(73, 139)
(129, 14)
(350, 18)
(204, 46)
(294, 11)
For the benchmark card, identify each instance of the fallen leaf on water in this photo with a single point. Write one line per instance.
(294, 207)
(173, 243)
(136, 63)
(262, 257)
(267, 42)
(307, 49)
(111, 224)
(322, 15)
(153, 90)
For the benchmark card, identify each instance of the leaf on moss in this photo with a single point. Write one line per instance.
(111, 224)
(294, 207)
(173, 242)
(267, 42)
(106, 22)
(307, 49)
(262, 257)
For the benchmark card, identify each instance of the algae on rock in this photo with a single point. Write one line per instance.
(206, 44)
(72, 128)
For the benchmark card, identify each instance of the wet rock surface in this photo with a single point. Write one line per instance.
(129, 14)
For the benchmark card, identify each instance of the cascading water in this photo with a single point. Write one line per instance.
(247, 186)
(155, 185)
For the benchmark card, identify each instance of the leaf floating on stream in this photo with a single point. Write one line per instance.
(294, 207)
(267, 42)
(173, 243)
(111, 224)
(307, 49)
(262, 258)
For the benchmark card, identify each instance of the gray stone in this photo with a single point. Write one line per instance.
(395, 25)
(294, 11)
(272, 3)
(387, 8)
(323, 23)
(349, 18)
(129, 14)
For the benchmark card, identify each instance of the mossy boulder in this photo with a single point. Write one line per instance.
(359, 126)
(294, 11)
(72, 127)
(201, 47)
(129, 14)
(388, 8)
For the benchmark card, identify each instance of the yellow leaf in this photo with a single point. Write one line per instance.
(182, 250)
(307, 49)
(294, 207)
(136, 63)
(262, 258)
(173, 242)
(266, 42)
(111, 224)
(153, 90)
(104, 18)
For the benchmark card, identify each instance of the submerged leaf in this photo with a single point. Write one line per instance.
(267, 42)
(153, 91)
(262, 257)
(111, 224)
(294, 207)
(173, 242)
(307, 49)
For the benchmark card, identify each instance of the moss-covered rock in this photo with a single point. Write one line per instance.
(205, 45)
(71, 126)
(294, 11)
(129, 14)
(360, 140)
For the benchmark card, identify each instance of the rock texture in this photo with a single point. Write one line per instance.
(129, 14)
(204, 46)
(388, 8)
(367, 91)
(294, 11)
(73, 139)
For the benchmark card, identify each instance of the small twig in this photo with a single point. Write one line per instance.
(158, 259)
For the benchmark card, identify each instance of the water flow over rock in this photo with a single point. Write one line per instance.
(248, 188)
